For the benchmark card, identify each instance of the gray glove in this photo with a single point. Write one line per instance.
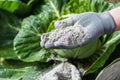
(78, 30)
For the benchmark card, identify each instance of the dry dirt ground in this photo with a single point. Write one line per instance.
(113, 1)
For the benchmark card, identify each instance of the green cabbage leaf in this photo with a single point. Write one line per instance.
(27, 41)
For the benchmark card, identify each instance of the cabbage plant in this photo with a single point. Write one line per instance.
(22, 57)
(80, 52)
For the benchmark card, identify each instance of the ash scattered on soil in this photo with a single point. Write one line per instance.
(63, 71)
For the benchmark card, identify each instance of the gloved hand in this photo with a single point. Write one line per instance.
(78, 30)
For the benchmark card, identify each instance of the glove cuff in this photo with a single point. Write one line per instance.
(108, 22)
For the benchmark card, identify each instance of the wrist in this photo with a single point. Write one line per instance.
(115, 13)
(107, 22)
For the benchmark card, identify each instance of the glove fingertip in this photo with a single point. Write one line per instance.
(49, 44)
(62, 45)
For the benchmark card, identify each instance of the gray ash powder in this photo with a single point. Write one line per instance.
(69, 36)
(63, 71)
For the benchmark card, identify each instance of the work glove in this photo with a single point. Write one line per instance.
(78, 30)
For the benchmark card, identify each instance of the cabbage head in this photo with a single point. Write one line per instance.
(80, 52)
